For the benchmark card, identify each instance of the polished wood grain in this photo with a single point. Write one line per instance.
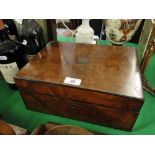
(53, 129)
(1, 24)
(116, 118)
(83, 95)
(6, 129)
(110, 90)
(108, 69)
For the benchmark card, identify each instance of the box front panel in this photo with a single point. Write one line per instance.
(81, 95)
(121, 119)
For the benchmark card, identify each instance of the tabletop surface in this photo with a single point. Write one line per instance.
(12, 109)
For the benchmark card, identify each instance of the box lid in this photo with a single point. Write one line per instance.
(105, 69)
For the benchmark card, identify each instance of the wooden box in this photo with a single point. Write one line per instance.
(110, 92)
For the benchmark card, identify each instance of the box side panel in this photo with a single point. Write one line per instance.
(121, 119)
(82, 95)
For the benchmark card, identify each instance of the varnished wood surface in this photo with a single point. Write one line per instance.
(116, 118)
(1, 24)
(53, 129)
(110, 93)
(6, 129)
(108, 69)
(83, 95)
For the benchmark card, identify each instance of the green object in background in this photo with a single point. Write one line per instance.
(13, 110)
(65, 39)
(99, 42)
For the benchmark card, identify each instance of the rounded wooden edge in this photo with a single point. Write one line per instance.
(67, 130)
(6, 129)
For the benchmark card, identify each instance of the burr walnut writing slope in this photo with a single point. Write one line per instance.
(110, 91)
